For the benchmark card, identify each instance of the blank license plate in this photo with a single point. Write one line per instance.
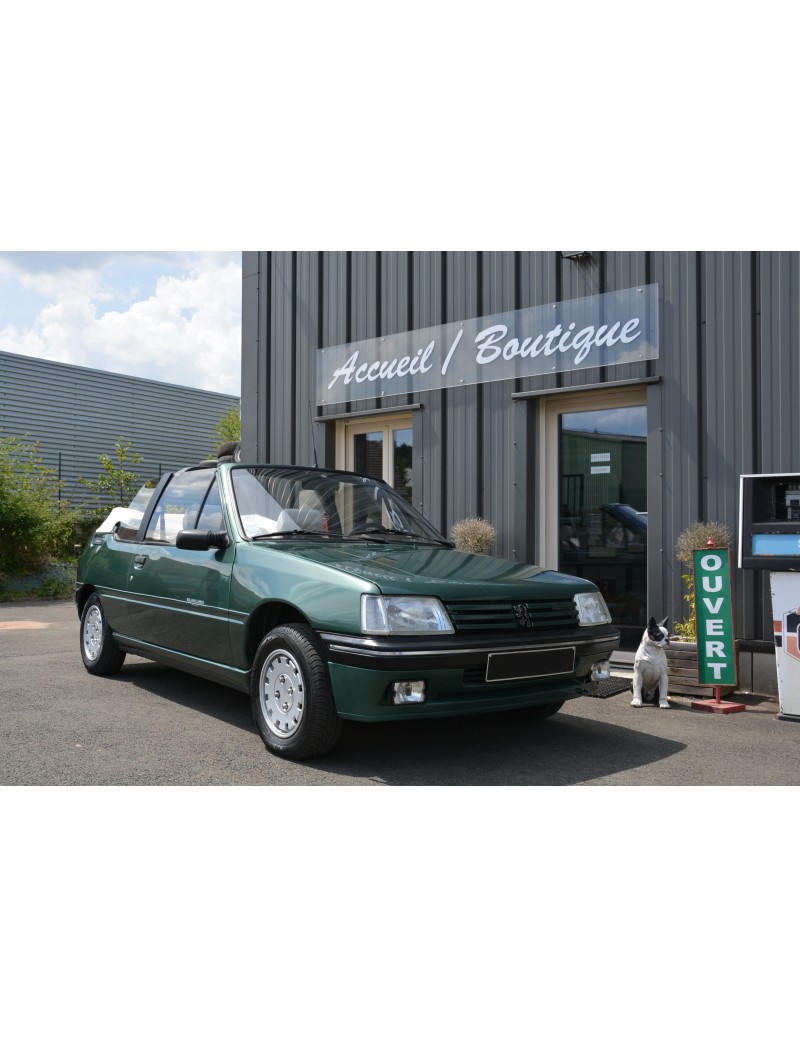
(517, 666)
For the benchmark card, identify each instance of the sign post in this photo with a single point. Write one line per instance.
(716, 646)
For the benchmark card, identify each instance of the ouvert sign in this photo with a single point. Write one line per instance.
(593, 331)
(716, 656)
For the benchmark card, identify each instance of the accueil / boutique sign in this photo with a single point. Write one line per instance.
(575, 335)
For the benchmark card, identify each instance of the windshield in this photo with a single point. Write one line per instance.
(281, 501)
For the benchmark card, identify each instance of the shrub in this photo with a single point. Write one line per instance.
(35, 527)
(117, 484)
(695, 538)
(228, 429)
(474, 535)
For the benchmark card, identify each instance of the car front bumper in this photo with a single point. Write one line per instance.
(462, 675)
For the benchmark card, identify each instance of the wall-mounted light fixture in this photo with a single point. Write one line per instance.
(576, 255)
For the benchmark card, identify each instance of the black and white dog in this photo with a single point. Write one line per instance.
(650, 676)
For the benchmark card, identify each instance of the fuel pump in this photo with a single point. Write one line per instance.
(769, 538)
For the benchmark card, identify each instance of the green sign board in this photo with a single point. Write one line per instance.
(716, 659)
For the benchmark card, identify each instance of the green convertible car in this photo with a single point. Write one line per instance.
(325, 596)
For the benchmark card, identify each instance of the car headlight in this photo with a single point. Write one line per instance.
(384, 614)
(592, 609)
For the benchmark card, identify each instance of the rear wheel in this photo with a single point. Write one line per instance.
(291, 695)
(100, 653)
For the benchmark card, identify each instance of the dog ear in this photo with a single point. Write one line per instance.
(652, 625)
(663, 622)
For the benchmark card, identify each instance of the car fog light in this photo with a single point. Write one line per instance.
(404, 692)
(601, 671)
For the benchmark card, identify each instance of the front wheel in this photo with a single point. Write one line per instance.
(291, 695)
(101, 654)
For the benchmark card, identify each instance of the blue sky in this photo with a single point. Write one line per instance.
(170, 316)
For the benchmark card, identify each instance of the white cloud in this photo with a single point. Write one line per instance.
(186, 331)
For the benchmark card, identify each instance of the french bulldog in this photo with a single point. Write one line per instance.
(650, 677)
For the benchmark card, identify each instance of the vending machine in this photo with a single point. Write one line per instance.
(769, 538)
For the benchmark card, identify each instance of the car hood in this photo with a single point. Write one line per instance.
(451, 575)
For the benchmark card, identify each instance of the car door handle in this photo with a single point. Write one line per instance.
(139, 561)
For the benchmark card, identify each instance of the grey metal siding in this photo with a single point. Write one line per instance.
(778, 361)
(307, 277)
(282, 396)
(677, 492)
(430, 431)
(254, 375)
(80, 413)
(463, 406)
(725, 402)
(496, 493)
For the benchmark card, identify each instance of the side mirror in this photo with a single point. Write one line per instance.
(201, 540)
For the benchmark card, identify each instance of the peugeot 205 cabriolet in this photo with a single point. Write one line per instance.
(326, 597)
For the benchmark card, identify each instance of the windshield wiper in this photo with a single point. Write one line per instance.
(294, 533)
(383, 531)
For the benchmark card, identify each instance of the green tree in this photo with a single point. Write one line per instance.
(228, 429)
(35, 526)
(118, 481)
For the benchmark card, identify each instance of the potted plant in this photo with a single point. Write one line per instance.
(682, 651)
(474, 535)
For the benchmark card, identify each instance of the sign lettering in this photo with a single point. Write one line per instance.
(716, 657)
(595, 331)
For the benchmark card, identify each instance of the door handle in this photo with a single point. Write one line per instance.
(139, 561)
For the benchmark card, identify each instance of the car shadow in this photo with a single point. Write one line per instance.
(494, 749)
(214, 700)
(498, 749)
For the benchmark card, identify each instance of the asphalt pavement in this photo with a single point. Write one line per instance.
(150, 725)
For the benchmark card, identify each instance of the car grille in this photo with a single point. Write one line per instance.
(488, 616)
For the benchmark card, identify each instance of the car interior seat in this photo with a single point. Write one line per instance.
(310, 519)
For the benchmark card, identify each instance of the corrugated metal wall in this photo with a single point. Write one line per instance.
(726, 399)
(81, 413)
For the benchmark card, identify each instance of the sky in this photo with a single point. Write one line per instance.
(169, 316)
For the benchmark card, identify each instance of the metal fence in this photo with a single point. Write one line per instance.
(75, 471)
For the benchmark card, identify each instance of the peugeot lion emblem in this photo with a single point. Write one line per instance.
(523, 615)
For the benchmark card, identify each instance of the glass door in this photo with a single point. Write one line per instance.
(379, 447)
(600, 490)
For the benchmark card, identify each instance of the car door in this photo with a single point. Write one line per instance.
(179, 598)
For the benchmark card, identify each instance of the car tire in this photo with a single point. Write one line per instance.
(291, 695)
(548, 709)
(101, 654)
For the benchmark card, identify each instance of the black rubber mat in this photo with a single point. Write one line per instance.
(611, 686)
